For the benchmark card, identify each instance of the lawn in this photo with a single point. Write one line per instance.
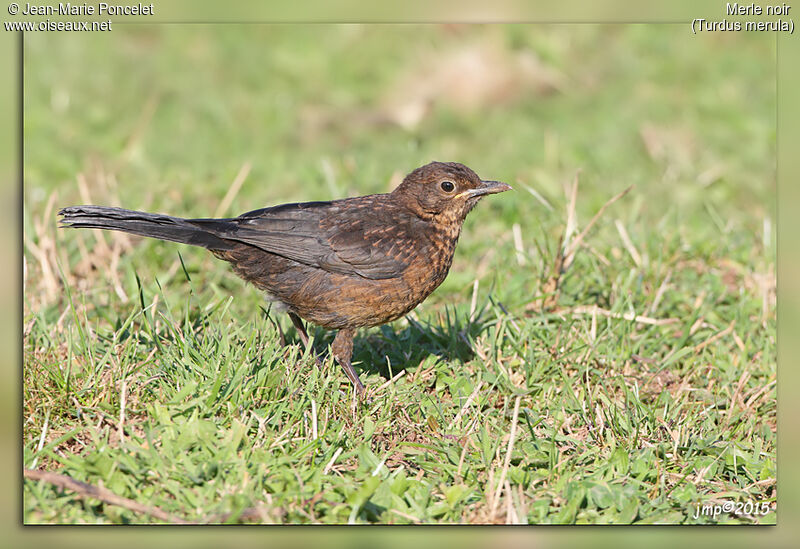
(594, 356)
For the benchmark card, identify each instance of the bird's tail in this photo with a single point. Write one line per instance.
(163, 227)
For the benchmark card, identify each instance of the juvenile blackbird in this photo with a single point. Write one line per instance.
(343, 264)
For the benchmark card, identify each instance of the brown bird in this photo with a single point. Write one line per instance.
(341, 265)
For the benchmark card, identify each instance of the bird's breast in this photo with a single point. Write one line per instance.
(432, 262)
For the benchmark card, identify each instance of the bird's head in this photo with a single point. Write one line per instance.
(444, 190)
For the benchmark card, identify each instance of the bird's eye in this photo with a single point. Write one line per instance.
(448, 186)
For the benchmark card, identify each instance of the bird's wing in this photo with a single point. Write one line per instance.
(350, 236)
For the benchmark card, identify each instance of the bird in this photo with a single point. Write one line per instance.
(342, 264)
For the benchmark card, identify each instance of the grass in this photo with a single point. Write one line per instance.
(633, 387)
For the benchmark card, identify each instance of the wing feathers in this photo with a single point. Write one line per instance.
(347, 236)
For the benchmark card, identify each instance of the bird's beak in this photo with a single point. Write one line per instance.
(487, 187)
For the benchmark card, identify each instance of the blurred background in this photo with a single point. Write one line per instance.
(173, 118)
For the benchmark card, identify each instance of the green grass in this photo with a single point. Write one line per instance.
(151, 370)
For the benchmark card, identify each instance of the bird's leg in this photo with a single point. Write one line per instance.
(301, 330)
(342, 349)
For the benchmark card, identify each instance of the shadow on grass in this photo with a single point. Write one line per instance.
(374, 349)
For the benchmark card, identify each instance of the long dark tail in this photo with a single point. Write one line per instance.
(163, 227)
